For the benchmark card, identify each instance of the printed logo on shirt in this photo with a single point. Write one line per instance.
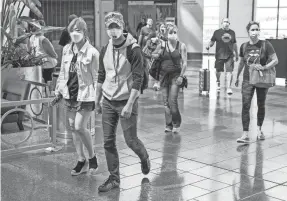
(73, 67)
(226, 37)
(253, 57)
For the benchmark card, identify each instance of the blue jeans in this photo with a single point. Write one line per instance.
(170, 96)
(111, 113)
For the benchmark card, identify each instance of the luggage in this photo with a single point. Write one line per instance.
(204, 80)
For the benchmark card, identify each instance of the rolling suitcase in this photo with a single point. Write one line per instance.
(204, 80)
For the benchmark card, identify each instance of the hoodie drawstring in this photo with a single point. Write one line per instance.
(116, 65)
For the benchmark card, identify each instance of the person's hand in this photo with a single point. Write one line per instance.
(56, 100)
(126, 111)
(258, 67)
(98, 108)
(179, 81)
(237, 83)
(207, 48)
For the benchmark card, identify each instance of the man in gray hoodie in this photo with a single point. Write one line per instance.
(121, 72)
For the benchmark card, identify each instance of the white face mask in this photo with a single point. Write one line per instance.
(114, 33)
(172, 36)
(76, 37)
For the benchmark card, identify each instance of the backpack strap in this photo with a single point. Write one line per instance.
(244, 47)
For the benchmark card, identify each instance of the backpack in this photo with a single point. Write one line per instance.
(145, 66)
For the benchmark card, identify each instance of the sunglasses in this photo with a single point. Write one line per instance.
(254, 29)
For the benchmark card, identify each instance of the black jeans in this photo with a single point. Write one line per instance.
(247, 95)
(110, 118)
(170, 96)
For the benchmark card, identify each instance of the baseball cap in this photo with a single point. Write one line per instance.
(114, 17)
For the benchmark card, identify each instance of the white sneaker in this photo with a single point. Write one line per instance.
(176, 130)
(156, 86)
(244, 138)
(229, 91)
(167, 129)
(260, 135)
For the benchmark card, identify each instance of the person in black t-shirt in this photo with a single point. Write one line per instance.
(259, 55)
(224, 54)
(65, 36)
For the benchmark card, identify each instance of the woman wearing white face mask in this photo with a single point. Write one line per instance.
(260, 55)
(173, 67)
(77, 85)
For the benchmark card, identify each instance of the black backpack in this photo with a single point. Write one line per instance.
(146, 72)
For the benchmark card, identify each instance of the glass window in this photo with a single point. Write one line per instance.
(282, 23)
(282, 33)
(267, 18)
(283, 3)
(214, 3)
(211, 15)
(268, 33)
(267, 3)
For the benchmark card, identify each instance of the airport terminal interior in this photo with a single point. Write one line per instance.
(201, 162)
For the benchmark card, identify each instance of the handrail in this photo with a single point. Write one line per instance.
(25, 102)
(52, 126)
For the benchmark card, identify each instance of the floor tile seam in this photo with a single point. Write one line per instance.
(260, 193)
(213, 191)
(228, 185)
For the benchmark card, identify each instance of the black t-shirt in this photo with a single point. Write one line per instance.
(65, 38)
(145, 31)
(255, 54)
(224, 43)
(72, 83)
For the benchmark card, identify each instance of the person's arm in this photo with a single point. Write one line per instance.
(184, 59)
(101, 77)
(140, 37)
(271, 56)
(241, 62)
(212, 41)
(49, 49)
(158, 50)
(137, 74)
(94, 68)
(61, 78)
(240, 67)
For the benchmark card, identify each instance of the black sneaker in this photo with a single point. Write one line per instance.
(145, 166)
(93, 164)
(80, 168)
(109, 184)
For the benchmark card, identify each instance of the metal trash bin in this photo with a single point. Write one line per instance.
(63, 136)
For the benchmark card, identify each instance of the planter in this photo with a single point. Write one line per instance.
(26, 73)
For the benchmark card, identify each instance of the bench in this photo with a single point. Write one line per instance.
(14, 90)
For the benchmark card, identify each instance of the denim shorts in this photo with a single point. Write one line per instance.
(76, 106)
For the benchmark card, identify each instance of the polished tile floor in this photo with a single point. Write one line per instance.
(202, 163)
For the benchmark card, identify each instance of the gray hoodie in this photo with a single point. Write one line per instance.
(121, 69)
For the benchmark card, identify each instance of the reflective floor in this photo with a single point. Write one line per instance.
(202, 163)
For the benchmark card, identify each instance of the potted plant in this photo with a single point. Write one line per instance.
(16, 60)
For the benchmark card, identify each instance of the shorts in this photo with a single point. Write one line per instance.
(47, 74)
(229, 64)
(76, 106)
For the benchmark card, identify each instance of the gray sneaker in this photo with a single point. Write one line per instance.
(145, 165)
(260, 135)
(243, 139)
(109, 184)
